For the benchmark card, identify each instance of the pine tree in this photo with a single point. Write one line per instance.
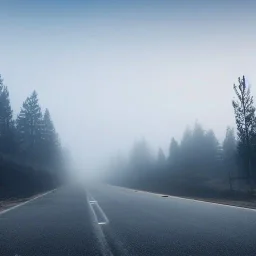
(198, 141)
(50, 146)
(6, 121)
(211, 144)
(174, 153)
(229, 151)
(161, 158)
(210, 154)
(117, 168)
(186, 141)
(48, 130)
(29, 128)
(140, 154)
(140, 160)
(245, 121)
(199, 156)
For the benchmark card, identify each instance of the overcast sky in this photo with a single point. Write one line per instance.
(114, 71)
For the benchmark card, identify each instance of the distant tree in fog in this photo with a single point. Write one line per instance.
(198, 144)
(230, 151)
(211, 153)
(140, 161)
(199, 152)
(199, 160)
(118, 168)
(161, 157)
(186, 147)
(174, 153)
(140, 154)
(50, 141)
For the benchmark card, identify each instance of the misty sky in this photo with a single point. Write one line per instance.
(112, 72)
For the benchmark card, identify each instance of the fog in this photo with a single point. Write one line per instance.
(112, 74)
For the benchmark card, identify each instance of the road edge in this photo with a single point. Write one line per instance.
(189, 199)
(23, 203)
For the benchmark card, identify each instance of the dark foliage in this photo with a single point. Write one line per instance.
(31, 156)
(246, 127)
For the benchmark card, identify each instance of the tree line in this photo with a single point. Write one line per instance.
(31, 155)
(199, 164)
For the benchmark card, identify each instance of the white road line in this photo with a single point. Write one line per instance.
(105, 250)
(103, 214)
(94, 202)
(219, 204)
(21, 204)
(102, 223)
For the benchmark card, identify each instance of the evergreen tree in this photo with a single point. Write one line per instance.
(7, 133)
(1, 82)
(48, 130)
(211, 145)
(210, 157)
(117, 169)
(198, 161)
(245, 121)
(160, 158)
(50, 145)
(28, 147)
(30, 128)
(198, 142)
(186, 145)
(229, 151)
(174, 153)
(140, 160)
(140, 154)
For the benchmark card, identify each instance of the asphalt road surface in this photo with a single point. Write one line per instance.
(105, 220)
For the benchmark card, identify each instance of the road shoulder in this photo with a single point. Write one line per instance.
(250, 204)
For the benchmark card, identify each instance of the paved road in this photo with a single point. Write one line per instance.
(106, 220)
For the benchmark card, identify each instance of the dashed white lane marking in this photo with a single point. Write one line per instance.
(21, 204)
(105, 250)
(104, 216)
(94, 202)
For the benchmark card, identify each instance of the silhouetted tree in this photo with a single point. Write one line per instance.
(28, 150)
(140, 160)
(30, 129)
(118, 169)
(245, 121)
(161, 158)
(229, 150)
(174, 154)
(186, 147)
(211, 154)
(198, 145)
(140, 154)
(7, 133)
(50, 142)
